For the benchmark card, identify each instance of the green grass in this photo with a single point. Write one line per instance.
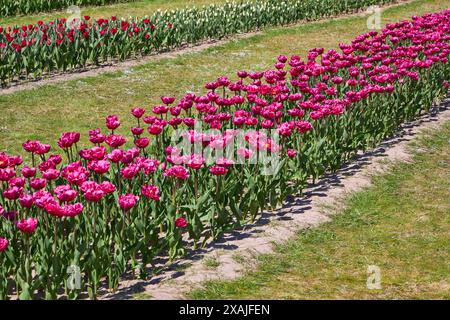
(401, 224)
(141, 296)
(79, 105)
(211, 262)
(133, 9)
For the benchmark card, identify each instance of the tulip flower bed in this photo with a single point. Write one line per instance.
(16, 7)
(108, 209)
(30, 51)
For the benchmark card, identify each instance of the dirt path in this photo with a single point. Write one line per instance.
(320, 201)
(92, 71)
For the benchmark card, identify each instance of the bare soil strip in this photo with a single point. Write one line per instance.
(231, 255)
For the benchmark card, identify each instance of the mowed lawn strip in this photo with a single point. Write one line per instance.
(128, 9)
(401, 225)
(79, 105)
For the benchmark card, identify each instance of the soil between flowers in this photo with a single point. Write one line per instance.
(228, 257)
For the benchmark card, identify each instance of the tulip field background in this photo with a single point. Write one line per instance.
(120, 9)
(111, 201)
(21, 7)
(34, 50)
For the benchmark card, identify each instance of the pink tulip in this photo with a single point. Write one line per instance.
(26, 201)
(128, 201)
(94, 195)
(151, 192)
(50, 174)
(73, 210)
(31, 146)
(87, 185)
(115, 140)
(224, 162)
(155, 129)
(175, 122)
(137, 131)
(148, 165)
(160, 109)
(7, 174)
(46, 165)
(175, 111)
(181, 223)
(138, 112)
(55, 159)
(244, 153)
(112, 122)
(116, 155)
(130, 171)
(282, 59)
(13, 193)
(285, 129)
(195, 161)
(175, 159)
(212, 85)
(65, 193)
(14, 161)
(28, 172)
(142, 143)
(292, 153)
(4, 243)
(267, 124)
(168, 100)
(28, 225)
(43, 149)
(107, 187)
(337, 80)
(68, 139)
(303, 126)
(95, 136)
(38, 183)
(99, 166)
(54, 209)
(190, 122)
(41, 198)
(17, 182)
(75, 174)
(242, 74)
(218, 171)
(296, 112)
(179, 172)
(172, 151)
(4, 160)
(95, 153)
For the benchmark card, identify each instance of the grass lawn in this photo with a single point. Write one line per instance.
(79, 105)
(401, 224)
(133, 9)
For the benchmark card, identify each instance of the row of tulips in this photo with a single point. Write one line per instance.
(30, 51)
(17, 7)
(111, 207)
